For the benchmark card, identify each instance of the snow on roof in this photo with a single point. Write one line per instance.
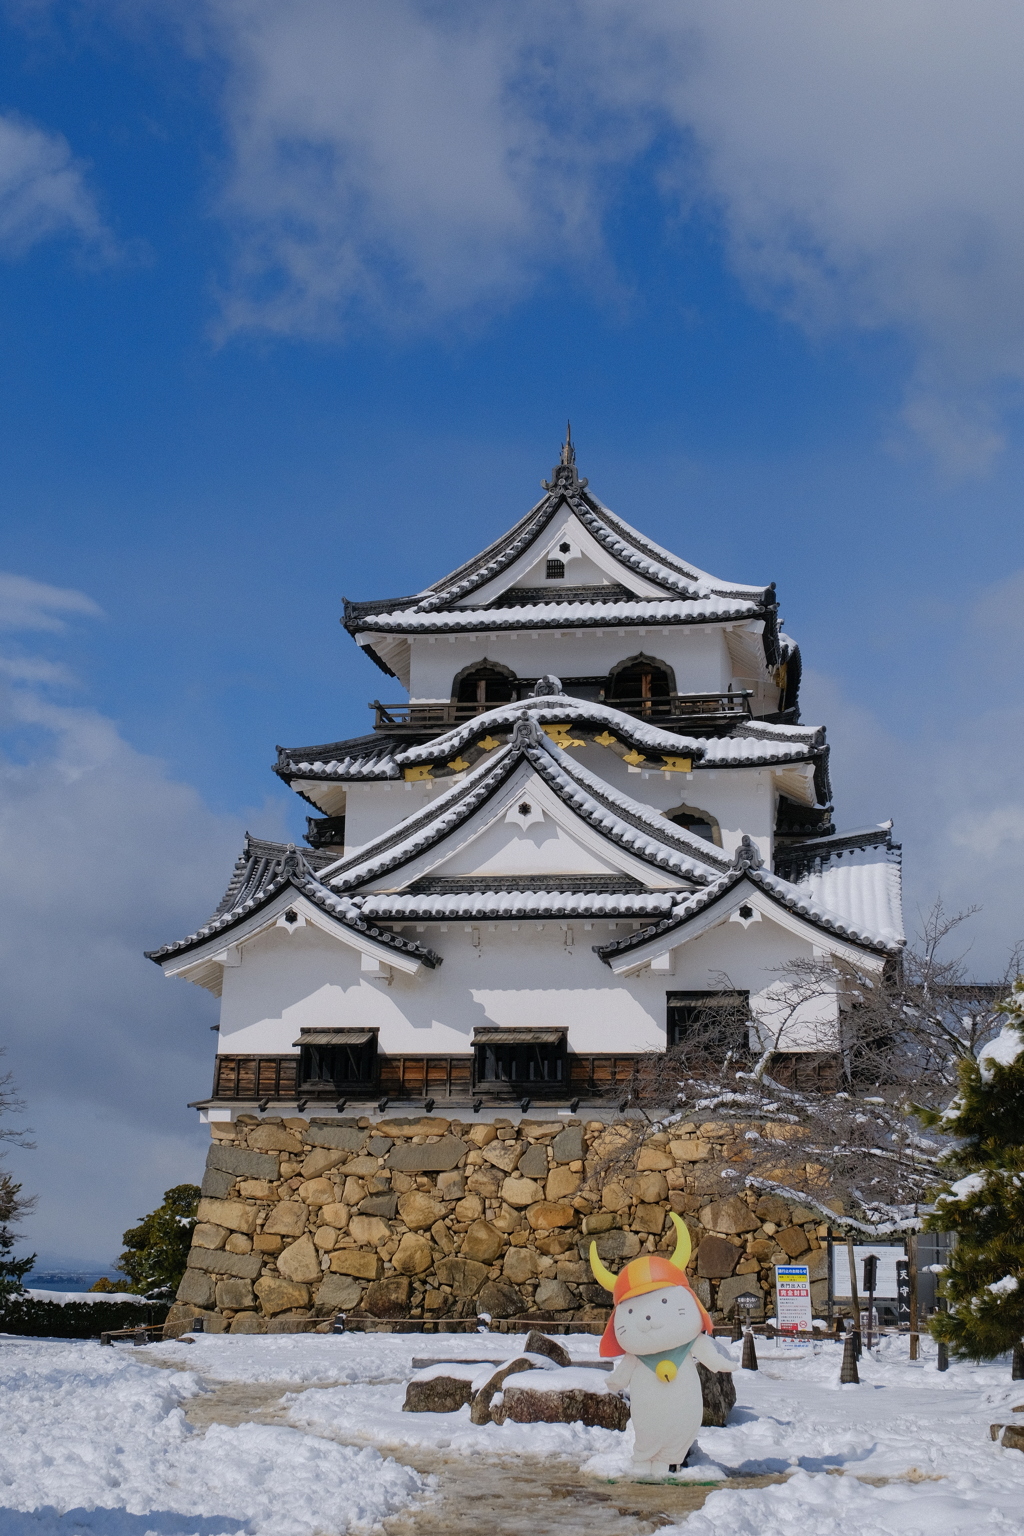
(705, 610)
(513, 902)
(624, 821)
(751, 743)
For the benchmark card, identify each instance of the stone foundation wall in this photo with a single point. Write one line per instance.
(437, 1219)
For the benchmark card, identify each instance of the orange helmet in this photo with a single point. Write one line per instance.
(649, 1273)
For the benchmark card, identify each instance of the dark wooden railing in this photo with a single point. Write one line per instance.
(675, 707)
(413, 1077)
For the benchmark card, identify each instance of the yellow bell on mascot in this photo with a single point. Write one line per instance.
(659, 1330)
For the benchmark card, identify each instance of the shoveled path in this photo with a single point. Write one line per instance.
(484, 1495)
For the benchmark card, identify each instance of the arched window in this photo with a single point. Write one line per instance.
(698, 823)
(555, 570)
(485, 685)
(641, 686)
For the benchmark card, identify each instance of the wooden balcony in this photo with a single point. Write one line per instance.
(442, 1078)
(676, 711)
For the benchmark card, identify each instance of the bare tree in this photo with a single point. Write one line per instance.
(815, 1099)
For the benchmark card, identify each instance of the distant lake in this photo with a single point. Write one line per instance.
(69, 1279)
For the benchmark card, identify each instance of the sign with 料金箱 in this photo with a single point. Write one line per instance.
(793, 1302)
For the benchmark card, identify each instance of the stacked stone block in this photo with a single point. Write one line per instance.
(436, 1219)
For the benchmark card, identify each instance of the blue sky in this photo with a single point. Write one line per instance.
(294, 301)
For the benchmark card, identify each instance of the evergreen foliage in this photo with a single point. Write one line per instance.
(156, 1251)
(75, 1319)
(12, 1271)
(984, 1205)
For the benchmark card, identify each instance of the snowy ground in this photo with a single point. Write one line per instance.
(93, 1440)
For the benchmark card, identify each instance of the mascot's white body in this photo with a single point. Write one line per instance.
(659, 1331)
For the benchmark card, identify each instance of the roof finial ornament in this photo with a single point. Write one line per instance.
(565, 476)
(747, 855)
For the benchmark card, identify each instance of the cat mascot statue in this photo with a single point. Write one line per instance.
(659, 1331)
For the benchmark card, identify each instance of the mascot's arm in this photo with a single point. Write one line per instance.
(621, 1372)
(707, 1352)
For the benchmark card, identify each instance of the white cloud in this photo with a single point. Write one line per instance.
(102, 855)
(949, 774)
(420, 162)
(28, 605)
(43, 190)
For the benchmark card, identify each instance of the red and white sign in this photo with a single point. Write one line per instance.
(793, 1302)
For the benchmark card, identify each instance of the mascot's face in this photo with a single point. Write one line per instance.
(658, 1320)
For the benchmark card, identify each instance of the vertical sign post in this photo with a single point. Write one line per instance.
(903, 1293)
(793, 1303)
(912, 1262)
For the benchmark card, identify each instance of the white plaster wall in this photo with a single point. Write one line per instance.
(544, 848)
(493, 974)
(698, 654)
(373, 809)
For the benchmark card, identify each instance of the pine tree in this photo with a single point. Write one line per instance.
(12, 1271)
(156, 1251)
(984, 1204)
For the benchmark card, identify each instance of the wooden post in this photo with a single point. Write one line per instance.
(854, 1297)
(912, 1256)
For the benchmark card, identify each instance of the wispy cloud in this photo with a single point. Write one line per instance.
(34, 605)
(44, 191)
(414, 164)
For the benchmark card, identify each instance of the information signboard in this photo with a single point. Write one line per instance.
(793, 1302)
(886, 1284)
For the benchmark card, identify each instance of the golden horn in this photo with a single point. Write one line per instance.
(681, 1257)
(601, 1275)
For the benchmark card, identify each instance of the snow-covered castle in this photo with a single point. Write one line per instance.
(596, 818)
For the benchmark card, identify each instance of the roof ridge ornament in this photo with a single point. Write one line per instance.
(747, 855)
(565, 476)
(526, 733)
(547, 686)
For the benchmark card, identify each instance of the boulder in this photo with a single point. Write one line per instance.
(654, 1159)
(388, 1298)
(336, 1215)
(717, 1257)
(247, 1322)
(482, 1242)
(431, 1157)
(442, 1237)
(426, 1125)
(737, 1286)
(216, 1184)
(300, 1261)
(418, 1209)
(234, 1295)
(612, 1247)
(481, 1135)
(325, 1237)
(451, 1185)
(1012, 1437)
(438, 1393)
(463, 1275)
(344, 1138)
(570, 1404)
(369, 1230)
(237, 1242)
(499, 1299)
(257, 1189)
(353, 1191)
(534, 1162)
(771, 1208)
(651, 1187)
(521, 1192)
(539, 1344)
(280, 1295)
(504, 1154)
(236, 1215)
(817, 1264)
(319, 1160)
(719, 1393)
(316, 1192)
(241, 1164)
(689, 1149)
(520, 1265)
(288, 1218)
(732, 1217)
(267, 1242)
(480, 1409)
(793, 1241)
(274, 1138)
(340, 1291)
(554, 1296)
(545, 1215)
(615, 1197)
(561, 1182)
(198, 1288)
(413, 1255)
(245, 1265)
(567, 1147)
(360, 1168)
(649, 1218)
(378, 1145)
(293, 1323)
(385, 1206)
(208, 1235)
(468, 1209)
(351, 1261)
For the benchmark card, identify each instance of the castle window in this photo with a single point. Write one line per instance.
(697, 822)
(486, 685)
(520, 1058)
(709, 1028)
(333, 1059)
(555, 570)
(640, 686)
